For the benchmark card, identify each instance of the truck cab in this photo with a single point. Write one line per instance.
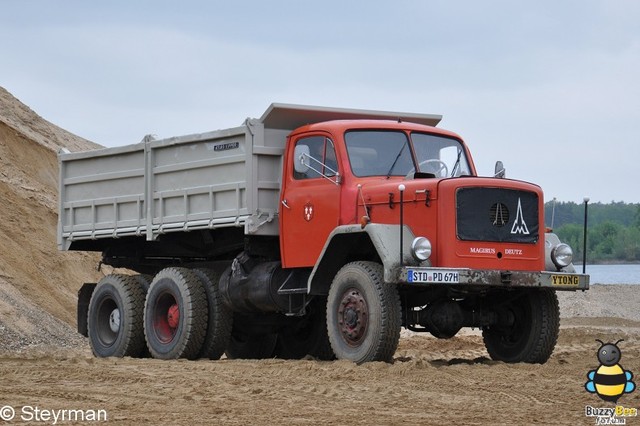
(338, 172)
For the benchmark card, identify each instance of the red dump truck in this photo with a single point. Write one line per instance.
(310, 231)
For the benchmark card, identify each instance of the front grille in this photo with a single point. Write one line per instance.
(497, 214)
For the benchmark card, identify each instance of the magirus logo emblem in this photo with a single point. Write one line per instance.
(519, 226)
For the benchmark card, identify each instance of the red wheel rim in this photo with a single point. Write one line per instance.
(353, 317)
(166, 317)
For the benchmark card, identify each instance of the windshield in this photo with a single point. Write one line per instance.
(390, 153)
(439, 155)
(377, 152)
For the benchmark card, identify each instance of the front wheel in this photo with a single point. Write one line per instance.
(533, 330)
(363, 314)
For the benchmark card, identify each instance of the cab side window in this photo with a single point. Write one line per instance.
(321, 159)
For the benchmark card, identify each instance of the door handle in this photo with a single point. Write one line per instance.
(284, 203)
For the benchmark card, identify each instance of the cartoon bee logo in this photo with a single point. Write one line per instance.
(609, 381)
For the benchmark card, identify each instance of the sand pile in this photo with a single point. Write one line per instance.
(38, 284)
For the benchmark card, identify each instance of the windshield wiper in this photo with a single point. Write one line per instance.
(455, 166)
(396, 160)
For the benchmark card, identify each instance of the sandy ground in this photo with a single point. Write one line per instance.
(430, 382)
(44, 364)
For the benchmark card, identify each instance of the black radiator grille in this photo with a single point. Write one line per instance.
(497, 214)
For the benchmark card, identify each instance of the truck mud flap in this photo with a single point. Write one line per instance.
(84, 296)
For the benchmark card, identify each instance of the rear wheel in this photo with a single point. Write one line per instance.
(115, 317)
(220, 317)
(363, 314)
(533, 332)
(175, 314)
(144, 281)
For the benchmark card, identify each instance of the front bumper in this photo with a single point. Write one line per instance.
(423, 276)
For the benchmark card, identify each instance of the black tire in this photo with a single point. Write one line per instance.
(175, 314)
(144, 281)
(220, 317)
(534, 332)
(115, 317)
(308, 336)
(251, 346)
(363, 314)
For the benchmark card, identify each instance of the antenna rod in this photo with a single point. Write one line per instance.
(401, 188)
(584, 249)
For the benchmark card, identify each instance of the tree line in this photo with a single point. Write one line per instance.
(613, 230)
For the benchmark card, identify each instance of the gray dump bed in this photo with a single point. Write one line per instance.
(223, 178)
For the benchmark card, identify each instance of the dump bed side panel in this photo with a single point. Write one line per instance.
(224, 178)
(200, 182)
(101, 193)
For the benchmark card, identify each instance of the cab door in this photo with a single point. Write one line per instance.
(310, 199)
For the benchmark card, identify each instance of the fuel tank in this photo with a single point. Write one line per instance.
(250, 285)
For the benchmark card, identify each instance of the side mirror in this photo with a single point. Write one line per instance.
(300, 153)
(500, 171)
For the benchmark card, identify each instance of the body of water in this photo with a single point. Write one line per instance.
(612, 274)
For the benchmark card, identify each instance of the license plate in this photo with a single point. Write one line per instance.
(441, 276)
(569, 280)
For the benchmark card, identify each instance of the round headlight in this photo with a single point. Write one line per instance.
(562, 255)
(421, 248)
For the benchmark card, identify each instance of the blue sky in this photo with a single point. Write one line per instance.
(550, 88)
